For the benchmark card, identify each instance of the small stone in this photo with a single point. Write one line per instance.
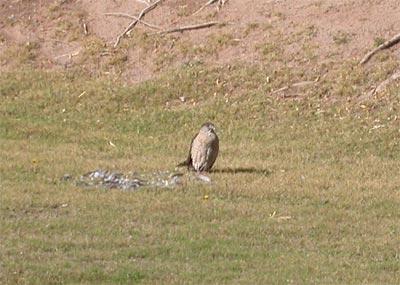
(66, 177)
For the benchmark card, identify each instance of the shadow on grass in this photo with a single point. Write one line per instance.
(242, 170)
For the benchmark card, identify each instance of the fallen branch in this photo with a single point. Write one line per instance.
(134, 22)
(70, 55)
(294, 95)
(298, 84)
(220, 4)
(118, 14)
(192, 27)
(385, 45)
(205, 5)
(384, 83)
(381, 86)
(145, 2)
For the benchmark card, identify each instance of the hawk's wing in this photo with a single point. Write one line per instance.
(213, 153)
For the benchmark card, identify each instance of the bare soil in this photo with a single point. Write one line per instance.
(300, 34)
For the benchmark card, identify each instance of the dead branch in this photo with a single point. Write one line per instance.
(298, 84)
(85, 29)
(381, 86)
(204, 6)
(192, 27)
(294, 95)
(70, 55)
(134, 22)
(384, 83)
(125, 15)
(219, 5)
(385, 45)
(144, 1)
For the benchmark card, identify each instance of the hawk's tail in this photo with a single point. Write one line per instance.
(187, 163)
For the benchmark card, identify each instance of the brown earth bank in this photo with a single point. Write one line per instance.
(310, 37)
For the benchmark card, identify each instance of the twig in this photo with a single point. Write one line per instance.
(204, 6)
(220, 4)
(385, 45)
(294, 95)
(379, 87)
(145, 2)
(298, 84)
(192, 27)
(284, 88)
(70, 55)
(118, 14)
(85, 29)
(134, 22)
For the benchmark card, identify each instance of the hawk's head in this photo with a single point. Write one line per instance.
(208, 127)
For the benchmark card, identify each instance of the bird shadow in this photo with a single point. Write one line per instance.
(230, 170)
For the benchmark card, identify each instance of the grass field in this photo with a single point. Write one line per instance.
(305, 190)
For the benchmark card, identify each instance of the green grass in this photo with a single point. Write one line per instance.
(305, 191)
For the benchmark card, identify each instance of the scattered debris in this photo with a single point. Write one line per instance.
(376, 127)
(66, 177)
(133, 180)
(203, 178)
(111, 179)
(279, 218)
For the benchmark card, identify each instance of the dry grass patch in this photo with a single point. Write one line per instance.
(303, 191)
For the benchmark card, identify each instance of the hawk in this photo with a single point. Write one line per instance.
(203, 149)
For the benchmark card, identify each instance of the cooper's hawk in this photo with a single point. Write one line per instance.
(203, 149)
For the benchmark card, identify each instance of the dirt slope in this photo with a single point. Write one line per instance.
(300, 34)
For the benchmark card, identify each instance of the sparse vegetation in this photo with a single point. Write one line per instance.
(379, 41)
(251, 27)
(66, 29)
(270, 51)
(341, 38)
(22, 54)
